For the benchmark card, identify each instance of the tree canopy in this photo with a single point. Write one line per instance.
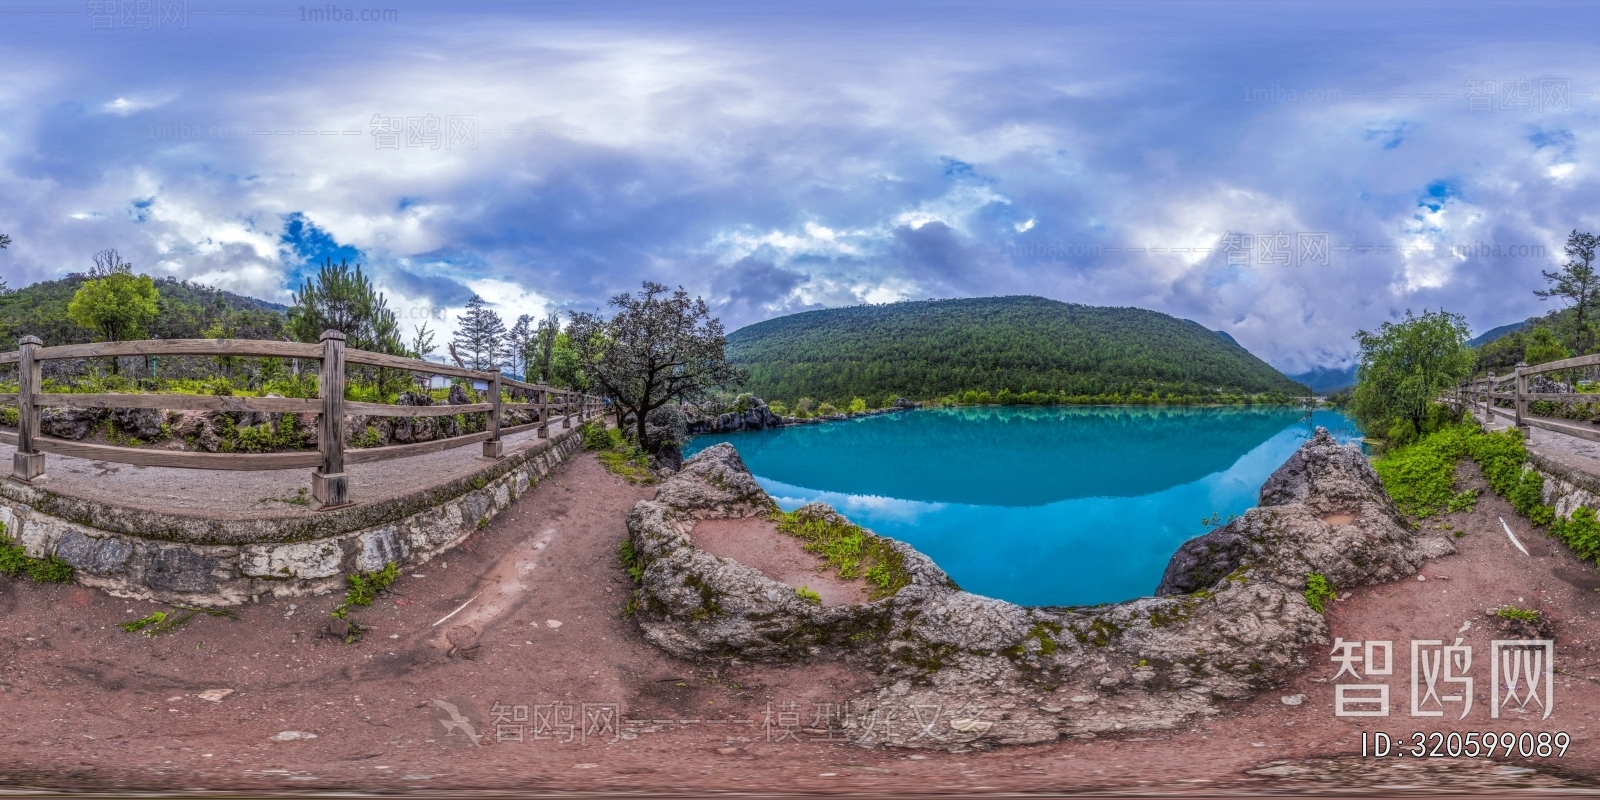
(114, 303)
(344, 300)
(659, 347)
(1404, 367)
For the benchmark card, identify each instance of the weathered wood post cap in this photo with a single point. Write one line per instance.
(30, 340)
(326, 335)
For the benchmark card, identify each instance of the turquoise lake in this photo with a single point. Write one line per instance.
(1038, 506)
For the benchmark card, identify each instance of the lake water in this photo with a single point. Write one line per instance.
(1038, 506)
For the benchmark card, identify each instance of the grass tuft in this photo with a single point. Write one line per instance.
(851, 550)
(1319, 590)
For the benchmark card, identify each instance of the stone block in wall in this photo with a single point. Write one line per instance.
(305, 560)
(180, 569)
(379, 547)
(102, 556)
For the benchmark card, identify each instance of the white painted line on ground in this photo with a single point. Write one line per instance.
(1508, 533)
(474, 597)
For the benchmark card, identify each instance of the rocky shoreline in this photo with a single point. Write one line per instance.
(1232, 620)
(757, 416)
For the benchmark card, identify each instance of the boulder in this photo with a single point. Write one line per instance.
(144, 423)
(70, 423)
(458, 396)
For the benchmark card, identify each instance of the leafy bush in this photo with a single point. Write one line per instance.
(1318, 591)
(858, 405)
(1581, 532)
(826, 409)
(596, 436)
(1502, 457)
(1421, 477)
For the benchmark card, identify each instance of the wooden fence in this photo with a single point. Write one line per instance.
(329, 482)
(1486, 391)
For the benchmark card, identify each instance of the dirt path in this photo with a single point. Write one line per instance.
(89, 706)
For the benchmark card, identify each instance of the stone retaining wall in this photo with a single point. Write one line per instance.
(125, 559)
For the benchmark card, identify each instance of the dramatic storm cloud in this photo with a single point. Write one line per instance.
(780, 158)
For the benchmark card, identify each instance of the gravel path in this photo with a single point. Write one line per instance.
(228, 494)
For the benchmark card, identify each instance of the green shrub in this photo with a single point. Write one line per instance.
(1502, 456)
(1421, 477)
(10, 415)
(826, 409)
(809, 595)
(1318, 591)
(858, 405)
(1581, 532)
(364, 588)
(596, 436)
(1519, 614)
(14, 561)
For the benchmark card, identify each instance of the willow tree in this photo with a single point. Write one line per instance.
(661, 346)
(1407, 365)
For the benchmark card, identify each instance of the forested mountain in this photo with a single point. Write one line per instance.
(187, 311)
(935, 348)
(1325, 380)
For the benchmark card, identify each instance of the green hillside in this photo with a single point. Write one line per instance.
(936, 348)
(187, 311)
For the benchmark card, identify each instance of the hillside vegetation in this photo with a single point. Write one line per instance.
(186, 311)
(1058, 352)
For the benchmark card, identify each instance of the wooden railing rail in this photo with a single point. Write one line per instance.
(330, 484)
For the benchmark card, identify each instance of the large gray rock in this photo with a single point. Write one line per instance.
(144, 423)
(967, 667)
(70, 423)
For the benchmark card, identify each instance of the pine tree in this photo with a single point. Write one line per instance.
(518, 344)
(480, 340)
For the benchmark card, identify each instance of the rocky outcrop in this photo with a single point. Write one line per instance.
(748, 414)
(969, 668)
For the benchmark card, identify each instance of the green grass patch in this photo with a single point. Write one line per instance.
(619, 458)
(851, 550)
(1319, 590)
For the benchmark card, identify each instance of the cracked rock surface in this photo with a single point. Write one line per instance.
(1230, 618)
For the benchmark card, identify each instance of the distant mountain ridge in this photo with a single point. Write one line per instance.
(1496, 333)
(933, 348)
(1326, 380)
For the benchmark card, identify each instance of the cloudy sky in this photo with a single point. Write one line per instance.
(1286, 173)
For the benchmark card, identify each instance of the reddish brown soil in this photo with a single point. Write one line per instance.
(88, 706)
(756, 542)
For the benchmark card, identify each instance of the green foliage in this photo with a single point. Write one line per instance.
(1581, 532)
(10, 415)
(826, 410)
(929, 349)
(596, 436)
(858, 405)
(1318, 591)
(619, 456)
(630, 560)
(364, 588)
(1405, 366)
(854, 552)
(369, 437)
(1511, 612)
(1421, 477)
(809, 595)
(159, 622)
(117, 306)
(184, 311)
(14, 560)
(1501, 456)
(1543, 347)
(344, 300)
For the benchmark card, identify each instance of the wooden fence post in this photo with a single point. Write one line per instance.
(566, 409)
(1488, 400)
(329, 485)
(1522, 400)
(28, 463)
(494, 448)
(544, 413)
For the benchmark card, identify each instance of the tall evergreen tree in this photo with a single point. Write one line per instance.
(344, 300)
(549, 329)
(519, 344)
(480, 340)
(1577, 283)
